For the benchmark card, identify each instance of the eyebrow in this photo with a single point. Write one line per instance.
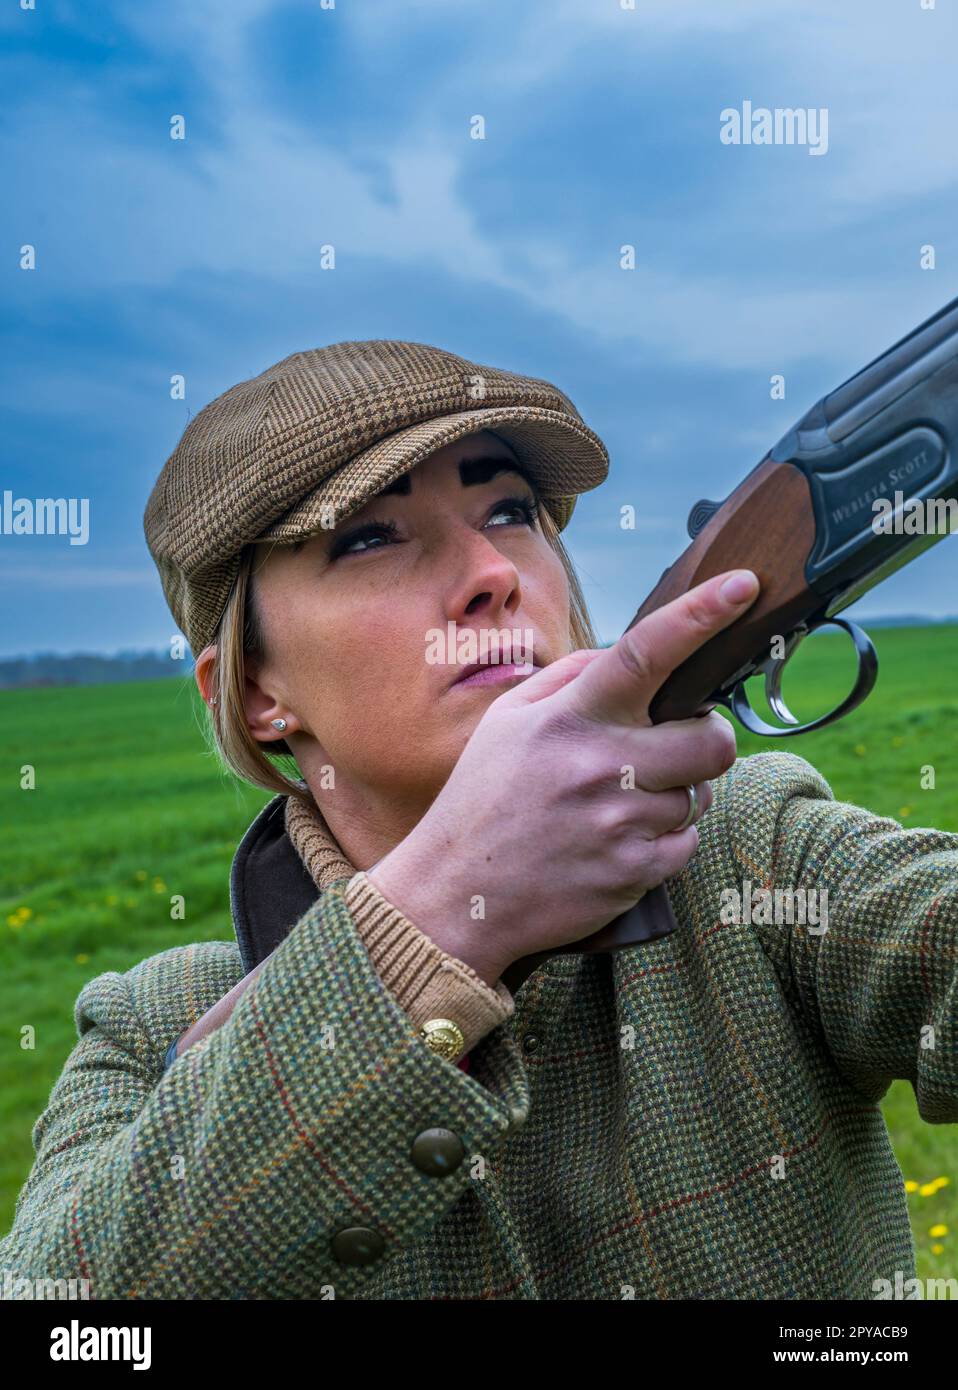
(472, 473)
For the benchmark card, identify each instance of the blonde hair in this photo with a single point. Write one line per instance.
(240, 638)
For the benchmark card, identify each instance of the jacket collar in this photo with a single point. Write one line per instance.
(270, 888)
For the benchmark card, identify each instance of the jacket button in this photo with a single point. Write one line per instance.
(437, 1152)
(531, 1042)
(357, 1245)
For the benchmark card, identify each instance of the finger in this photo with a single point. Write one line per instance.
(619, 685)
(680, 751)
(702, 802)
(669, 854)
(661, 813)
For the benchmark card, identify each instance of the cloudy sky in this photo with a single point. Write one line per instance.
(350, 126)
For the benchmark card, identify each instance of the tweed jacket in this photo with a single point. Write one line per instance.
(695, 1117)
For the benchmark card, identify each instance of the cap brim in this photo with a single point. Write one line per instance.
(561, 455)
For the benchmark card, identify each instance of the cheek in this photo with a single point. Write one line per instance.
(549, 602)
(334, 656)
(355, 670)
(559, 585)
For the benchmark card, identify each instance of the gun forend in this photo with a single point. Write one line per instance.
(767, 525)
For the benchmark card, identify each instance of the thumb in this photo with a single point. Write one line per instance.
(621, 683)
(548, 679)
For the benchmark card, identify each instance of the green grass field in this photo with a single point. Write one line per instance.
(130, 807)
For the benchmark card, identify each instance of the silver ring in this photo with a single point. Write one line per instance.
(693, 808)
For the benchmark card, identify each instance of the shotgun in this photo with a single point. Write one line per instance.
(831, 510)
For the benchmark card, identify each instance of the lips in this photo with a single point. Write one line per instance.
(475, 666)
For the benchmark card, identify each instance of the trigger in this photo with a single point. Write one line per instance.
(773, 693)
(773, 668)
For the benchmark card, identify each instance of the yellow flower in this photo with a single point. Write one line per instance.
(911, 1185)
(159, 886)
(897, 741)
(904, 811)
(18, 916)
(937, 1249)
(940, 1230)
(942, 1182)
(928, 1189)
(112, 900)
(141, 874)
(82, 959)
(860, 749)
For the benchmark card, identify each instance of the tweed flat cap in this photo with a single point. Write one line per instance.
(322, 432)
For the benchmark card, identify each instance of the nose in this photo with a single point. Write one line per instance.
(488, 582)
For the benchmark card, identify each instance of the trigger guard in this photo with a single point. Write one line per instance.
(864, 682)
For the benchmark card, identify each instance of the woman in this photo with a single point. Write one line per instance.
(411, 1077)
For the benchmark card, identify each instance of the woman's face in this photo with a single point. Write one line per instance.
(348, 615)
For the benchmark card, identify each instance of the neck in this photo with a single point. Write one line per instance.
(315, 843)
(364, 825)
(321, 847)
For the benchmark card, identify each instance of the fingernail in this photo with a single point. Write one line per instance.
(740, 586)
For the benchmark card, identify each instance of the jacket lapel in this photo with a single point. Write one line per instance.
(270, 888)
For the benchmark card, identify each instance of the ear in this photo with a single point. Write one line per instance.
(203, 671)
(263, 706)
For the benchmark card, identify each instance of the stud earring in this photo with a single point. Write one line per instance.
(279, 724)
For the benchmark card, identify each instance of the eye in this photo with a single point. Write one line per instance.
(369, 531)
(528, 506)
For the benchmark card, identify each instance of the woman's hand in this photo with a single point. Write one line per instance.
(533, 842)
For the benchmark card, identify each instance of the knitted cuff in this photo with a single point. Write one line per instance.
(426, 981)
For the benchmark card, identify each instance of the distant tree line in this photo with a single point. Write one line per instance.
(93, 668)
(88, 668)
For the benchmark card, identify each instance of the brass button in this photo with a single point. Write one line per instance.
(443, 1037)
(531, 1042)
(357, 1245)
(437, 1152)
